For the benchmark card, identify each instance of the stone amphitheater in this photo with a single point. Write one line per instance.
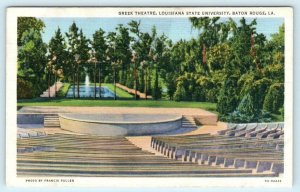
(219, 150)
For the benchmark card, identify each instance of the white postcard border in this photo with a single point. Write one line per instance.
(11, 60)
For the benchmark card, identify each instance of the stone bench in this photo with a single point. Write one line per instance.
(232, 161)
(232, 132)
(163, 146)
(254, 133)
(265, 133)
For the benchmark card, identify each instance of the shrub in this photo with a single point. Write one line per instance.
(274, 98)
(108, 79)
(198, 94)
(180, 93)
(227, 100)
(246, 112)
(24, 89)
(281, 111)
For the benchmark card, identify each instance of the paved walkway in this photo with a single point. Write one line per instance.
(52, 90)
(116, 110)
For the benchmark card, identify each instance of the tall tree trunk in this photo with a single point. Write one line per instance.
(74, 84)
(99, 80)
(95, 90)
(149, 81)
(78, 78)
(145, 91)
(122, 80)
(156, 84)
(115, 96)
(135, 82)
(49, 84)
(55, 87)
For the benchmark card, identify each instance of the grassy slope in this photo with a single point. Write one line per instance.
(120, 92)
(117, 103)
(63, 91)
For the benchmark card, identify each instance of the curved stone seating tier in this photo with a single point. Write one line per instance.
(276, 135)
(103, 156)
(223, 144)
(260, 154)
(260, 130)
(204, 139)
(26, 133)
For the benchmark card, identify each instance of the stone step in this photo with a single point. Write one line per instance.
(51, 125)
(56, 123)
(51, 121)
(188, 122)
(191, 126)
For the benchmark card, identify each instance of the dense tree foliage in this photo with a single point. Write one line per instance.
(229, 63)
(26, 23)
(32, 63)
(57, 54)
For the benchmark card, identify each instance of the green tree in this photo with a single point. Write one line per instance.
(274, 99)
(161, 58)
(113, 56)
(32, 60)
(82, 62)
(73, 42)
(241, 45)
(245, 112)
(27, 23)
(136, 58)
(218, 56)
(57, 48)
(123, 48)
(228, 99)
(100, 47)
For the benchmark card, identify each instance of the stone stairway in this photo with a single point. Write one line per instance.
(51, 121)
(52, 90)
(188, 122)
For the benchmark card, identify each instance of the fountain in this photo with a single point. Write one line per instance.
(87, 90)
(87, 86)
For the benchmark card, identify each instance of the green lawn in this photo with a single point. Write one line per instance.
(116, 103)
(63, 91)
(120, 93)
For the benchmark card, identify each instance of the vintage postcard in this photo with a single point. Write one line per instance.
(149, 96)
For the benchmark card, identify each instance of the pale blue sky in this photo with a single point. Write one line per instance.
(174, 28)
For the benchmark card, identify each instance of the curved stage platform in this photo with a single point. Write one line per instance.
(120, 124)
